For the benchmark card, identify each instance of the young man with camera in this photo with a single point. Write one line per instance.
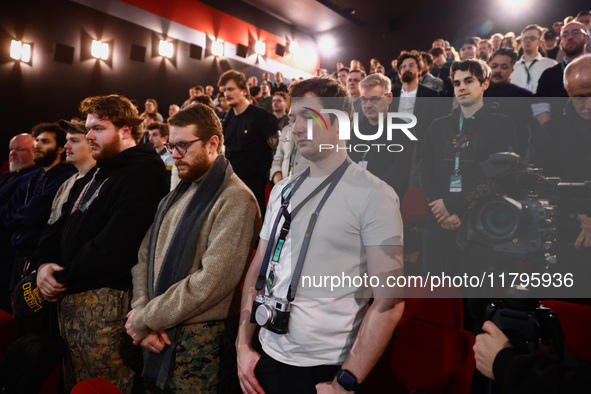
(317, 338)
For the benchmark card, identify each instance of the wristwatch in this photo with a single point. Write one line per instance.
(347, 380)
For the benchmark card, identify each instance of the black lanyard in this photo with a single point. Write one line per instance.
(529, 68)
(331, 181)
(458, 146)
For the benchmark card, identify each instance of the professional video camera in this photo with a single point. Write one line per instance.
(520, 220)
(523, 225)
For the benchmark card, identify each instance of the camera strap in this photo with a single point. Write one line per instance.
(275, 249)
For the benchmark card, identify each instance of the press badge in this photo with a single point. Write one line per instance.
(363, 164)
(455, 183)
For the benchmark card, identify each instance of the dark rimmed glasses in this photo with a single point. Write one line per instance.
(181, 147)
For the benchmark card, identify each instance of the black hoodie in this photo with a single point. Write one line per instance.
(488, 132)
(98, 242)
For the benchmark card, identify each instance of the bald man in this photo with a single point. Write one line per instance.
(561, 148)
(574, 39)
(22, 167)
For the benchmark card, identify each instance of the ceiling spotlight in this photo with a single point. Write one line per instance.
(20, 51)
(165, 49)
(217, 47)
(260, 48)
(100, 50)
(327, 45)
(294, 47)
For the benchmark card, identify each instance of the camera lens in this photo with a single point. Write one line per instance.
(498, 220)
(264, 315)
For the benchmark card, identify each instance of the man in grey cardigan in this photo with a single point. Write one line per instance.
(191, 262)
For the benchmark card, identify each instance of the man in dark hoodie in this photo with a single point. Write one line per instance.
(451, 152)
(30, 204)
(85, 258)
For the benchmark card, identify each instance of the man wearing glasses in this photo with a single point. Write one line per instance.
(390, 166)
(529, 68)
(280, 109)
(574, 38)
(85, 258)
(191, 262)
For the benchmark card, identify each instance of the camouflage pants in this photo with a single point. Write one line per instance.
(92, 324)
(205, 360)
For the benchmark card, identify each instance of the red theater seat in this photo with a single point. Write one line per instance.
(95, 386)
(7, 331)
(414, 208)
(429, 349)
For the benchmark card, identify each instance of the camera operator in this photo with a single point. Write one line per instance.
(329, 341)
(561, 148)
(527, 373)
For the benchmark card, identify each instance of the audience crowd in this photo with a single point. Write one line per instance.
(139, 231)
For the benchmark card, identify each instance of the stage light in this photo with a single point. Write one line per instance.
(166, 49)
(217, 47)
(513, 6)
(100, 50)
(327, 46)
(20, 51)
(294, 47)
(260, 48)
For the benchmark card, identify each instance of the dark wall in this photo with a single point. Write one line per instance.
(48, 90)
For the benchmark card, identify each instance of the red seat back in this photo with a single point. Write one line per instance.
(95, 386)
(7, 331)
(414, 208)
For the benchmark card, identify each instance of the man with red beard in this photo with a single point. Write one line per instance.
(191, 263)
(85, 258)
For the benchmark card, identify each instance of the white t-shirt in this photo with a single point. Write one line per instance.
(361, 211)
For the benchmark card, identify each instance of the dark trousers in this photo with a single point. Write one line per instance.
(276, 377)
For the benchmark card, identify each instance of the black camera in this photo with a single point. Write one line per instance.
(271, 313)
(517, 227)
(521, 217)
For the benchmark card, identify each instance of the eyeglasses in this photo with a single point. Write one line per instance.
(277, 100)
(408, 65)
(529, 38)
(181, 147)
(574, 33)
(373, 100)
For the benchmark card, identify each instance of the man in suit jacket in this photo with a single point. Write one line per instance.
(418, 100)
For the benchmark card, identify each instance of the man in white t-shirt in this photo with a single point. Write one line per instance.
(334, 337)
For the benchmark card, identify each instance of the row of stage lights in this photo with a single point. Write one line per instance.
(100, 50)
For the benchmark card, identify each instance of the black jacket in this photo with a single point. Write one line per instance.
(393, 167)
(98, 243)
(562, 147)
(428, 107)
(515, 102)
(551, 89)
(488, 132)
(30, 207)
(540, 373)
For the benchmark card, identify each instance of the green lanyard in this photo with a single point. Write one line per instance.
(294, 151)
